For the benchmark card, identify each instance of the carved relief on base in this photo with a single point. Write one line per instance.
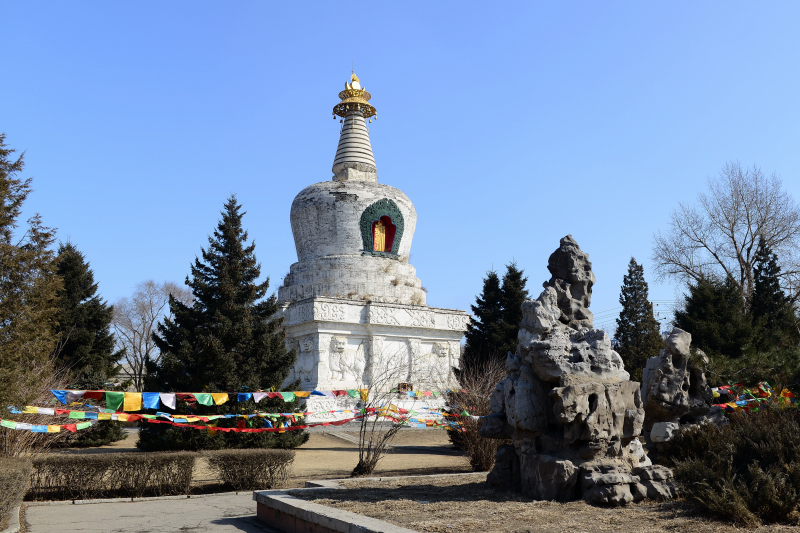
(433, 368)
(347, 362)
(306, 361)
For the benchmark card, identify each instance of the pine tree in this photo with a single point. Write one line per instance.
(28, 287)
(84, 323)
(225, 340)
(484, 334)
(637, 328)
(512, 294)
(712, 313)
(497, 314)
(772, 313)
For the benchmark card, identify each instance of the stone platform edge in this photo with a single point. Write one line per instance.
(285, 513)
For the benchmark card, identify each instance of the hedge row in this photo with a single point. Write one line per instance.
(112, 475)
(14, 477)
(89, 476)
(251, 469)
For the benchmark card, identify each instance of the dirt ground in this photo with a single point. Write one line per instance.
(464, 504)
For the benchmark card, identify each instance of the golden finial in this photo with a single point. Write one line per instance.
(354, 98)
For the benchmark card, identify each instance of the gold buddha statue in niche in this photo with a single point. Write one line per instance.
(383, 232)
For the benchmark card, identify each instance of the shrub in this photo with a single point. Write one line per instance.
(15, 474)
(251, 469)
(478, 384)
(15, 443)
(87, 476)
(102, 433)
(747, 472)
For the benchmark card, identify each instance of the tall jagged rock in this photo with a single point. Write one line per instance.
(674, 388)
(567, 404)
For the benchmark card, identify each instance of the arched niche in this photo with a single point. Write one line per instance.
(383, 220)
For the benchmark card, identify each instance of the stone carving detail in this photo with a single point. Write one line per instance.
(329, 311)
(306, 360)
(414, 348)
(346, 364)
(301, 313)
(372, 213)
(432, 368)
(567, 404)
(457, 322)
(674, 387)
(383, 315)
(316, 405)
(421, 319)
(324, 354)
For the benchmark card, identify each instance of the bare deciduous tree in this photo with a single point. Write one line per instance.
(383, 419)
(719, 235)
(135, 320)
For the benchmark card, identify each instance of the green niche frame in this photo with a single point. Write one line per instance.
(372, 213)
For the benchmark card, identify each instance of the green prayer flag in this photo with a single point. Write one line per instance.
(83, 425)
(77, 414)
(287, 396)
(353, 393)
(114, 400)
(8, 424)
(204, 398)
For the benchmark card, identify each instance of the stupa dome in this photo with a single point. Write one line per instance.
(353, 235)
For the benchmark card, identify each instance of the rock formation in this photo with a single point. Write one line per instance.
(567, 404)
(674, 388)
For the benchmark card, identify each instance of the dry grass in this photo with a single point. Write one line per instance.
(464, 504)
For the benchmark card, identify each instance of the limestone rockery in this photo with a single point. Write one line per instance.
(567, 404)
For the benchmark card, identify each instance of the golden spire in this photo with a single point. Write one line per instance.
(354, 98)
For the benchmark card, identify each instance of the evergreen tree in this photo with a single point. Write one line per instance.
(512, 294)
(484, 334)
(712, 313)
(497, 314)
(28, 287)
(225, 340)
(637, 328)
(84, 323)
(772, 313)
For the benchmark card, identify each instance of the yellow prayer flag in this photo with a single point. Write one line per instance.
(132, 402)
(122, 417)
(30, 410)
(302, 394)
(219, 397)
(53, 429)
(364, 394)
(104, 416)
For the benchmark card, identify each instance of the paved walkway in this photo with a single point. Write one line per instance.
(223, 513)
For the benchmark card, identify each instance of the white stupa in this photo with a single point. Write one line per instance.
(354, 307)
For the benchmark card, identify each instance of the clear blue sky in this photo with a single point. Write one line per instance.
(509, 125)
